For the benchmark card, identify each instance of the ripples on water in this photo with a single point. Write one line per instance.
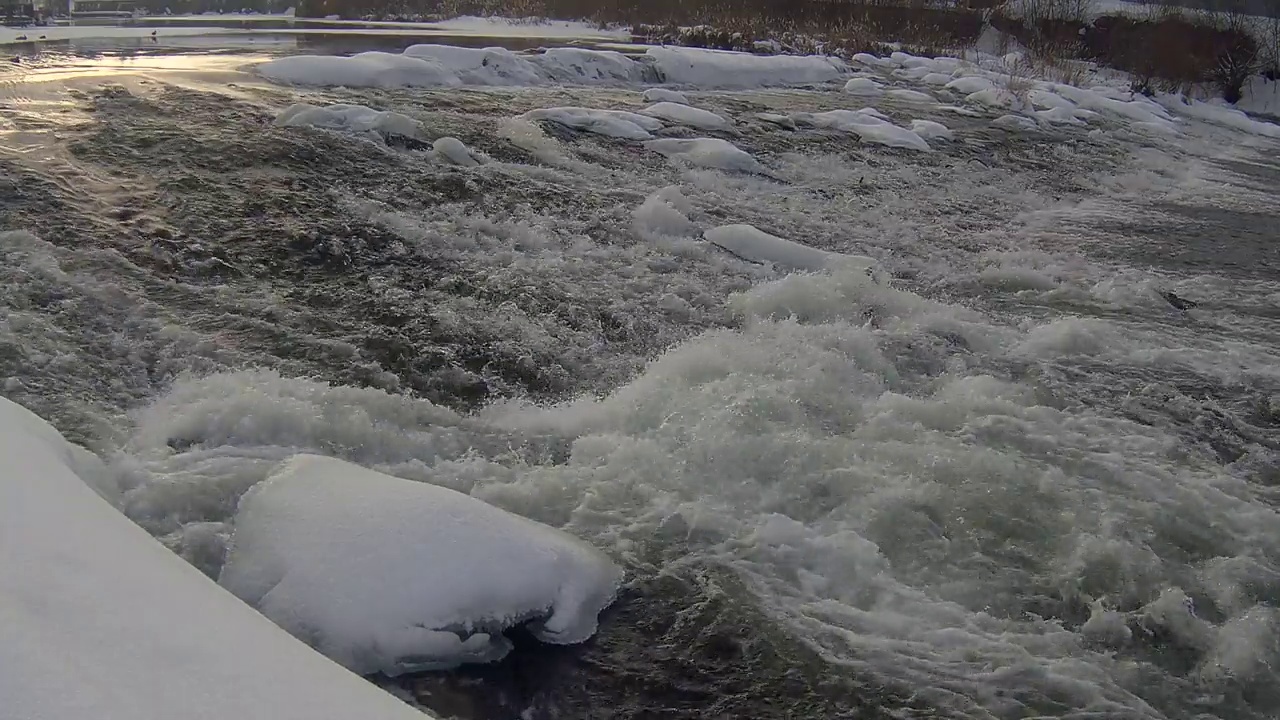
(1014, 481)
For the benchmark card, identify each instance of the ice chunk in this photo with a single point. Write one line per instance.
(368, 69)
(863, 86)
(914, 73)
(755, 245)
(1059, 116)
(480, 66)
(579, 65)
(995, 98)
(1014, 123)
(663, 95)
(612, 123)
(452, 151)
(783, 121)
(707, 152)
(101, 621)
(936, 79)
(870, 128)
(929, 129)
(349, 118)
(869, 60)
(914, 96)
(685, 115)
(389, 575)
(970, 85)
(665, 213)
(1046, 100)
(720, 69)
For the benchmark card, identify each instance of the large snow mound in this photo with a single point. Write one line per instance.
(368, 69)
(722, 69)
(349, 118)
(389, 575)
(707, 152)
(611, 123)
(679, 114)
(98, 620)
(755, 245)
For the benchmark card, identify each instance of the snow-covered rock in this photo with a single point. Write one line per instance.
(755, 245)
(1014, 123)
(389, 575)
(349, 118)
(998, 98)
(679, 114)
(611, 123)
(368, 69)
(872, 128)
(707, 152)
(936, 79)
(970, 84)
(663, 95)
(863, 86)
(929, 129)
(451, 150)
(98, 620)
(480, 66)
(721, 69)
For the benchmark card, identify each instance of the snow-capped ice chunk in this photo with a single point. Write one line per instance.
(915, 73)
(684, 115)
(929, 129)
(101, 621)
(367, 69)
(663, 95)
(707, 152)
(863, 86)
(721, 69)
(349, 118)
(970, 84)
(995, 98)
(583, 66)
(665, 212)
(389, 575)
(783, 121)
(452, 151)
(612, 123)
(912, 96)
(1015, 123)
(871, 128)
(869, 60)
(480, 66)
(755, 245)
(936, 79)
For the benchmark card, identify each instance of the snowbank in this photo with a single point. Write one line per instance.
(98, 620)
(708, 152)
(611, 123)
(480, 66)
(721, 69)
(349, 118)
(368, 69)
(679, 114)
(389, 575)
(755, 245)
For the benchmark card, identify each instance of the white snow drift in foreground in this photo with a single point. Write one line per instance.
(611, 123)
(98, 620)
(679, 114)
(389, 575)
(367, 69)
(755, 245)
(349, 118)
(707, 152)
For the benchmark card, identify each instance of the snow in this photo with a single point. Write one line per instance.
(929, 129)
(994, 98)
(1059, 116)
(452, 151)
(367, 69)
(1261, 96)
(684, 115)
(970, 85)
(582, 66)
(98, 620)
(1220, 115)
(755, 245)
(936, 79)
(863, 86)
(610, 123)
(707, 152)
(871, 61)
(663, 95)
(388, 575)
(349, 118)
(870, 127)
(721, 69)
(1014, 123)
(479, 66)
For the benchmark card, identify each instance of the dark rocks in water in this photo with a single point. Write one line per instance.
(1178, 302)
(672, 646)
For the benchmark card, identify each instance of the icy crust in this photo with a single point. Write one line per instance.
(98, 620)
(389, 575)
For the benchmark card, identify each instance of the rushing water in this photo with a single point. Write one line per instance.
(1033, 474)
